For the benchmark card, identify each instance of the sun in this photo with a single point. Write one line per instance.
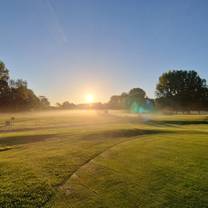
(89, 98)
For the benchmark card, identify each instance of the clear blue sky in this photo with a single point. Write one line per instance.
(67, 48)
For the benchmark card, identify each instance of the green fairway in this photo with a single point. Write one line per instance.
(89, 159)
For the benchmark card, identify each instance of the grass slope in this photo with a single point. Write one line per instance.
(88, 159)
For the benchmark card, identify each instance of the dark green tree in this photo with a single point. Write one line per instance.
(4, 85)
(135, 101)
(137, 95)
(22, 98)
(181, 91)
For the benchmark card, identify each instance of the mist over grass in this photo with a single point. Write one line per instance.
(90, 159)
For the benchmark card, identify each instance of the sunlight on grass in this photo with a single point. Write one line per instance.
(88, 158)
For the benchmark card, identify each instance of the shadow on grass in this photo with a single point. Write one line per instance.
(17, 140)
(178, 122)
(3, 149)
(123, 133)
(12, 129)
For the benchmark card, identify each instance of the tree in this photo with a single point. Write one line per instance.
(137, 95)
(115, 102)
(124, 100)
(135, 101)
(15, 94)
(4, 85)
(21, 97)
(181, 90)
(44, 103)
(67, 105)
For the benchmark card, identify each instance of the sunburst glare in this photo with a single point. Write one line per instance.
(89, 98)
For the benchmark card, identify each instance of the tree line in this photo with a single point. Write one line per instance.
(15, 94)
(176, 91)
(135, 100)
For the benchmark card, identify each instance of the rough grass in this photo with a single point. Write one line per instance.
(88, 159)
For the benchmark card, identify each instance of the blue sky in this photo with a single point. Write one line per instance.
(66, 49)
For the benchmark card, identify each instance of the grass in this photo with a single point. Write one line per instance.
(86, 159)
